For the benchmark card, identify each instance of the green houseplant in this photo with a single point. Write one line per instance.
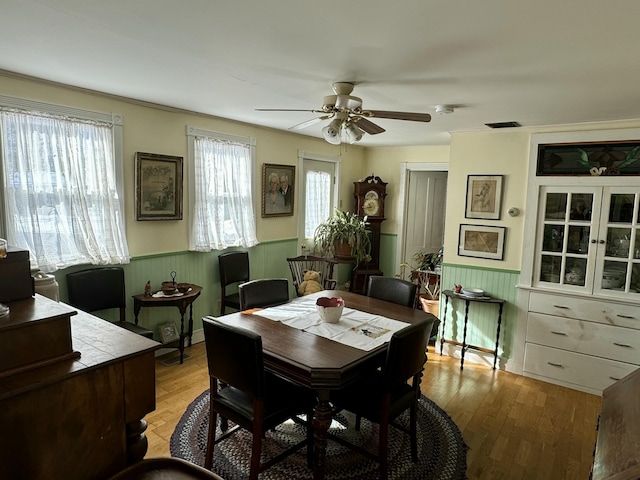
(342, 229)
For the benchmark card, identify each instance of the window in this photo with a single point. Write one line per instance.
(221, 185)
(62, 171)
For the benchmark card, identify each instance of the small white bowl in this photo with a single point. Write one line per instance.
(330, 314)
(472, 292)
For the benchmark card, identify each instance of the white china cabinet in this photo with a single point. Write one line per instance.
(579, 300)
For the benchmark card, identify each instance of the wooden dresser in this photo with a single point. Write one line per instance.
(73, 392)
(617, 454)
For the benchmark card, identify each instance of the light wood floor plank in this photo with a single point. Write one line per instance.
(515, 427)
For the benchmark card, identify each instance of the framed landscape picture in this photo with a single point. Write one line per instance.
(278, 182)
(481, 241)
(158, 187)
(484, 197)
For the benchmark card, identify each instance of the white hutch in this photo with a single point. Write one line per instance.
(579, 288)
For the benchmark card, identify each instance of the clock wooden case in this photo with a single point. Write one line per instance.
(369, 195)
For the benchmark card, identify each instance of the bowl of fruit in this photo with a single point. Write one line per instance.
(330, 308)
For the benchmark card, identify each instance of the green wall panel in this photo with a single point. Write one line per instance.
(482, 324)
(266, 260)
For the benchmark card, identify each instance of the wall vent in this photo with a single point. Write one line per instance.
(503, 125)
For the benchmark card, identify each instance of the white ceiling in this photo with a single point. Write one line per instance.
(539, 62)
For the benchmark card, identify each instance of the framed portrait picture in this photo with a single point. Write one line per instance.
(278, 182)
(484, 197)
(158, 187)
(481, 241)
(169, 333)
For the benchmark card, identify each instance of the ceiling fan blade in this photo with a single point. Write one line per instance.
(285, 110)
(368, 126)
(308, 123)
(414, 117)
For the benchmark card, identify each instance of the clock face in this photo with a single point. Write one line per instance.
(371, 204)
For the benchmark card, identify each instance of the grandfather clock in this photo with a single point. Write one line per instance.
(369, 197)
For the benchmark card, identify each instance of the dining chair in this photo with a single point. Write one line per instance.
(251, 397)
(383, 395)
(393, 290)
(101, 289)
(264, 292)
(234, 269)
(325, 266)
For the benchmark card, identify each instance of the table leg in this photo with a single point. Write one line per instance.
(495, 354)
(444, 322)
(464, 333)
(136, 309)
(190, 323)
(322, 415)
(181, 347)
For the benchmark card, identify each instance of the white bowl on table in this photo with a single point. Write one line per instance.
(472, 292)
(330, 309)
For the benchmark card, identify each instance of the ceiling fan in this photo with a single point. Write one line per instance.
(348, 119)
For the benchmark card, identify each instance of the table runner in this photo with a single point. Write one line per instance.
(358, 329)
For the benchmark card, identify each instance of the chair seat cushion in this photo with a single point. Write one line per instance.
(281, 397)
(132, 327)
(367, 396)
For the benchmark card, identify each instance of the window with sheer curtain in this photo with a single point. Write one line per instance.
(61, 181)
(317, 201)
(221, 185)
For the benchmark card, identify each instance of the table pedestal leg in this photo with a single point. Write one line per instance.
(137, 442)
(181, 347)
(322, 415)
(464, 334)
(495, 354)
(444, 323)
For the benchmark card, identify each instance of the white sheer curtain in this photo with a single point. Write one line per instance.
(60, 195)
(318, 201)
(223, 205)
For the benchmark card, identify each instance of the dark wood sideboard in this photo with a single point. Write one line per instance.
(617, 455)
(73, 393)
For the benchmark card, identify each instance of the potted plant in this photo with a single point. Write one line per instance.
(428, 261)
(345, 229)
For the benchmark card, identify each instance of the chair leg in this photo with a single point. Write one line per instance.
(413, 433)
(222, 307)
(211, 437)
(382, 450)
(256, 450)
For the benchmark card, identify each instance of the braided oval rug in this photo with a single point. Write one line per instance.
(442, 453)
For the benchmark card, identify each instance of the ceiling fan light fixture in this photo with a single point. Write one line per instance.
(331, 132)
(354, 133)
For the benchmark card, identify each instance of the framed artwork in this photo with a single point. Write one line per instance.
(169, 333)
(278, 183)
(158, 187)
(481, 241)
(484, 197)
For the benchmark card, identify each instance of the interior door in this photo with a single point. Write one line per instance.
(318, 198)
(425, 212)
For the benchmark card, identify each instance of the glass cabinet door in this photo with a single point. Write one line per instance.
(619, 243)
(566, 222)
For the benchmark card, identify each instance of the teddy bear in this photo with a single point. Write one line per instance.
(311, 283)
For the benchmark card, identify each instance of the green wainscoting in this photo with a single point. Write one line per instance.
(266, 259)
(481, 329)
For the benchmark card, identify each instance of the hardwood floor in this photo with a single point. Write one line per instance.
(515, 427)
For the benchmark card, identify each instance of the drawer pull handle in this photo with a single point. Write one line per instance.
(626, 316)
(556, 364)
(621, 345)
(559, 333)
(562, 306)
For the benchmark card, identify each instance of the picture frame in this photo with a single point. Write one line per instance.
(481, 241)
(278, 198)
(484, 197)
(158, 187)
(169, 333)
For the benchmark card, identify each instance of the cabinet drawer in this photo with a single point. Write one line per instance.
(585, 309)
(590, 338)
(575, 368)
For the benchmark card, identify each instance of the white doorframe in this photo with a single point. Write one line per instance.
(302, 155)
(405, 169)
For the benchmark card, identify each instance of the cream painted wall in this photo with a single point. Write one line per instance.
(488, 153)
(155, 129)
(385, 162)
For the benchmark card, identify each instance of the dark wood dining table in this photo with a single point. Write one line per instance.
(320, 363)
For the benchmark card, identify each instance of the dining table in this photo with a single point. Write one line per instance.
(320, 363)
